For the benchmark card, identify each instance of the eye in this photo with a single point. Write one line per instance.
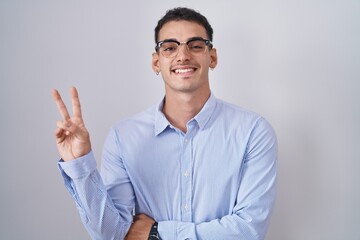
(169, 47)
(196, 45)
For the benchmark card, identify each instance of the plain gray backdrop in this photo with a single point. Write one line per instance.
(297, 63)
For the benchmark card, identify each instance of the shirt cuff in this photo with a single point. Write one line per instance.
(79, 167)
(176, 230)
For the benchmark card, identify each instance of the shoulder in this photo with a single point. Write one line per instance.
(235, 112)
(140, 122)
(237, 117)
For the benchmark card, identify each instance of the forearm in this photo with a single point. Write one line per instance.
(98, 213)
(229, 227)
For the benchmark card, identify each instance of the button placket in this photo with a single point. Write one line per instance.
(186, 180)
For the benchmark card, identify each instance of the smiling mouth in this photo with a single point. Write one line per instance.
(184, 70)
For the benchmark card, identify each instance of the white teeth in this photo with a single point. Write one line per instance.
(184, 70)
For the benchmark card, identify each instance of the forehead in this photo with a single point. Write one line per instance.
(181, 30)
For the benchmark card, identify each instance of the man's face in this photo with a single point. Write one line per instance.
(184, 72)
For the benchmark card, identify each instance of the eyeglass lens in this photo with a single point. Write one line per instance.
(170, 49)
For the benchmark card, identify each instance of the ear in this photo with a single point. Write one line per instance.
(213, 58)
(155, 62)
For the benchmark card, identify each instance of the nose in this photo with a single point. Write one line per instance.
(183, 53)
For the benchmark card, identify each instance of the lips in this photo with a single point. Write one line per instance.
(183, 69)
(186, 70)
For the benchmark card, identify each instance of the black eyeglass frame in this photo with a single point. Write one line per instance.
(206, 41)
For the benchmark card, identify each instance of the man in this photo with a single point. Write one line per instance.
(192, 167)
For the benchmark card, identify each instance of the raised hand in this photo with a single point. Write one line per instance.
(72, 138)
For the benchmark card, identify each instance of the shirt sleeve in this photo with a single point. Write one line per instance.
(97, 211)
(255, 198)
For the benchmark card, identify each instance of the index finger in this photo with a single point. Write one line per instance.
(75, 102)
(60, 104)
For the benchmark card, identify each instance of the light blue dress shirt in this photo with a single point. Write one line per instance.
(216, 181)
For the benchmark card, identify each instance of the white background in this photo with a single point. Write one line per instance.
(297, 63)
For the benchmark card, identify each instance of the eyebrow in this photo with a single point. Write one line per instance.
(189, 39)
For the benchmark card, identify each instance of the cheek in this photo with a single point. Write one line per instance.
(164, 65)
(161, 63)
(205, 63)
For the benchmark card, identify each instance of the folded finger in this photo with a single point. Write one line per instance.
(65, 127)
(60, 135)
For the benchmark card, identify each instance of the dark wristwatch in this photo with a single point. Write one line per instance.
(154, 235)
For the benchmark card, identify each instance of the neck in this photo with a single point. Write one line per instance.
(182, 107)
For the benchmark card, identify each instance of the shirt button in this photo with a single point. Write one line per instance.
(186, 207)
(186, 174)
(186, 140)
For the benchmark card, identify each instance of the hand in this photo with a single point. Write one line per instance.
(71, 136)
(140, 228)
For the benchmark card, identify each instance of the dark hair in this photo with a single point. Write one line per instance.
(177, 14)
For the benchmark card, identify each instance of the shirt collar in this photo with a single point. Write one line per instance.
(161, 123)
(202, 118)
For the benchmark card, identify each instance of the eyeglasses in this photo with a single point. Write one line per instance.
(169, 47)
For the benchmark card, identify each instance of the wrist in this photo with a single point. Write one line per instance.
(154, 234)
